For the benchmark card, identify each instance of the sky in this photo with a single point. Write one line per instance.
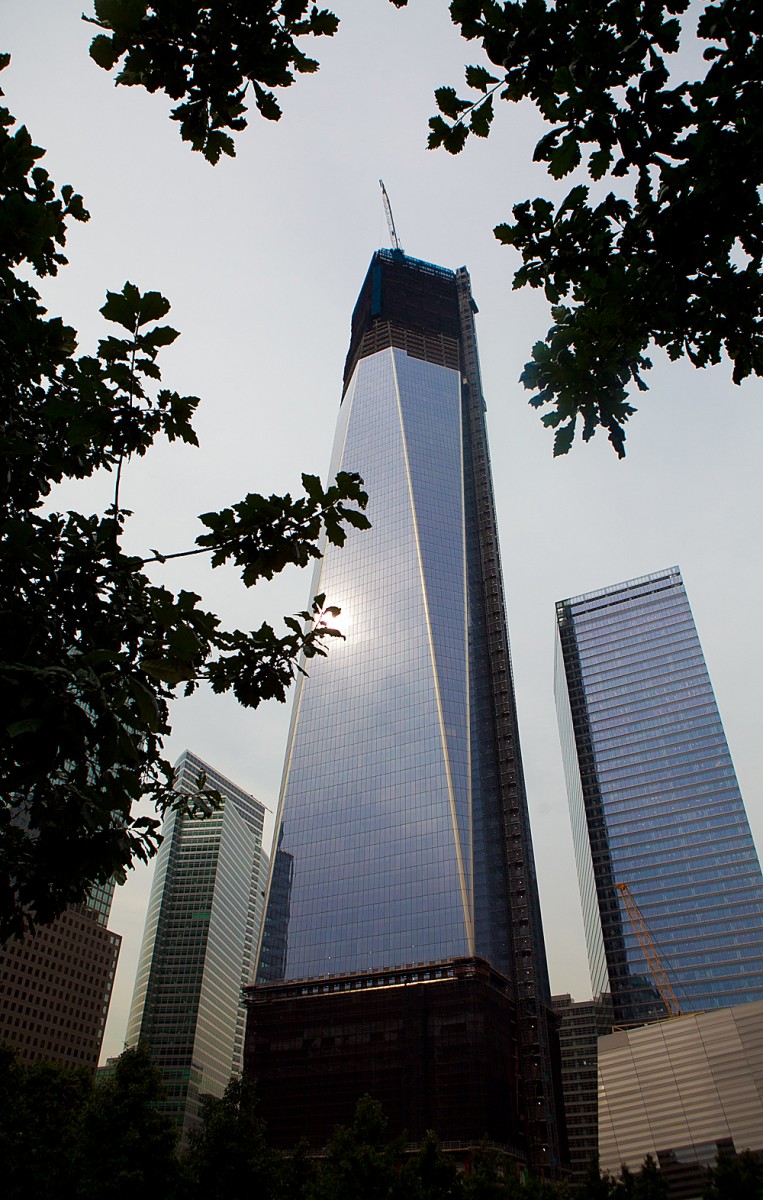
(262, 258)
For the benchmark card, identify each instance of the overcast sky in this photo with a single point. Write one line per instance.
(262, 258)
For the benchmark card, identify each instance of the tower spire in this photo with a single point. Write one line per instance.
(390, 219)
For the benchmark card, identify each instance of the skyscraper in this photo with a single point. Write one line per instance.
(202, 926)
(404, 855)
(654, 802)
(56, 984)
(581, 1024)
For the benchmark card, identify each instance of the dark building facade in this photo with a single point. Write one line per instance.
(435, 1046)
(581, 1024)
(655, 803)
(56, 984)
(403, 833)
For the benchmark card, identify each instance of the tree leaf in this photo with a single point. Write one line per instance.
(563, 439)
(103, 51)
(449, 103)
(479, 78)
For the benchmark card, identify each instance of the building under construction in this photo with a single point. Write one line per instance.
(402, 951)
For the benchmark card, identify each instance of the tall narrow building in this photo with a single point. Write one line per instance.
(403, 941)
(203, 922)
(655, 803)
(581, 1024)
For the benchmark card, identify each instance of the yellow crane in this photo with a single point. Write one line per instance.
(654, 963)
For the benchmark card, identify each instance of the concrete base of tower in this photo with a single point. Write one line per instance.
(435, 1044)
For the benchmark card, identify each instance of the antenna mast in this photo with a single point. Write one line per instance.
(390, 219)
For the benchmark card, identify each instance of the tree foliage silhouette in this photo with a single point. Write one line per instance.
(92, 650)
(669, 257)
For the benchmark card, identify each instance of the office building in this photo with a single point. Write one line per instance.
(403, 924)
(654, 803)
(203, 921)
(56, 984)
(682, 1090)
(581, 1024)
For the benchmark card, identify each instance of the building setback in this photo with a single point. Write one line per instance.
(202, 926)
(655, 803)
(403, 923)
(56, 984)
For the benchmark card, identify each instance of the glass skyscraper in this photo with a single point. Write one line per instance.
(202, 926)
(655, 803)
(404, 838)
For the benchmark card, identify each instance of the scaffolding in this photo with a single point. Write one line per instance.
(528, 956)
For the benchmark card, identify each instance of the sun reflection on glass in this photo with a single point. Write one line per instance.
(334, 617)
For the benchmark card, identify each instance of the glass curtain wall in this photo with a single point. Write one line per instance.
(199, 942)
(655, 802)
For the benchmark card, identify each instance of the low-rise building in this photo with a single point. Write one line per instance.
(681, 1089)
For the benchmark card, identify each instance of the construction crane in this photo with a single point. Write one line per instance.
(390, 219)
(653, 961)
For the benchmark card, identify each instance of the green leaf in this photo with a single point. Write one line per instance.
(313, 487)
(563, 439)
(166, 670)
(267, 103)
(565, 157)
(121, 308)
(598, 164)
(31, 725)
(146, 702)
(449, 103)
(218, 143)
(455, 139)
(124, 16)
(482, 117)
(479, 78)
(504, 233)
(152, 307)
(163, 335)
(103, 51)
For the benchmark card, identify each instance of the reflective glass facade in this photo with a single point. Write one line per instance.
(202, 927)
(654, 802)
(403, 831)
(377, 778)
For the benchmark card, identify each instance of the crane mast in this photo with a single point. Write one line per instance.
(653, 960)
(390, 219)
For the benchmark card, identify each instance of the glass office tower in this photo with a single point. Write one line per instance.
(655, 803)
(203, 922)
(404, 839)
